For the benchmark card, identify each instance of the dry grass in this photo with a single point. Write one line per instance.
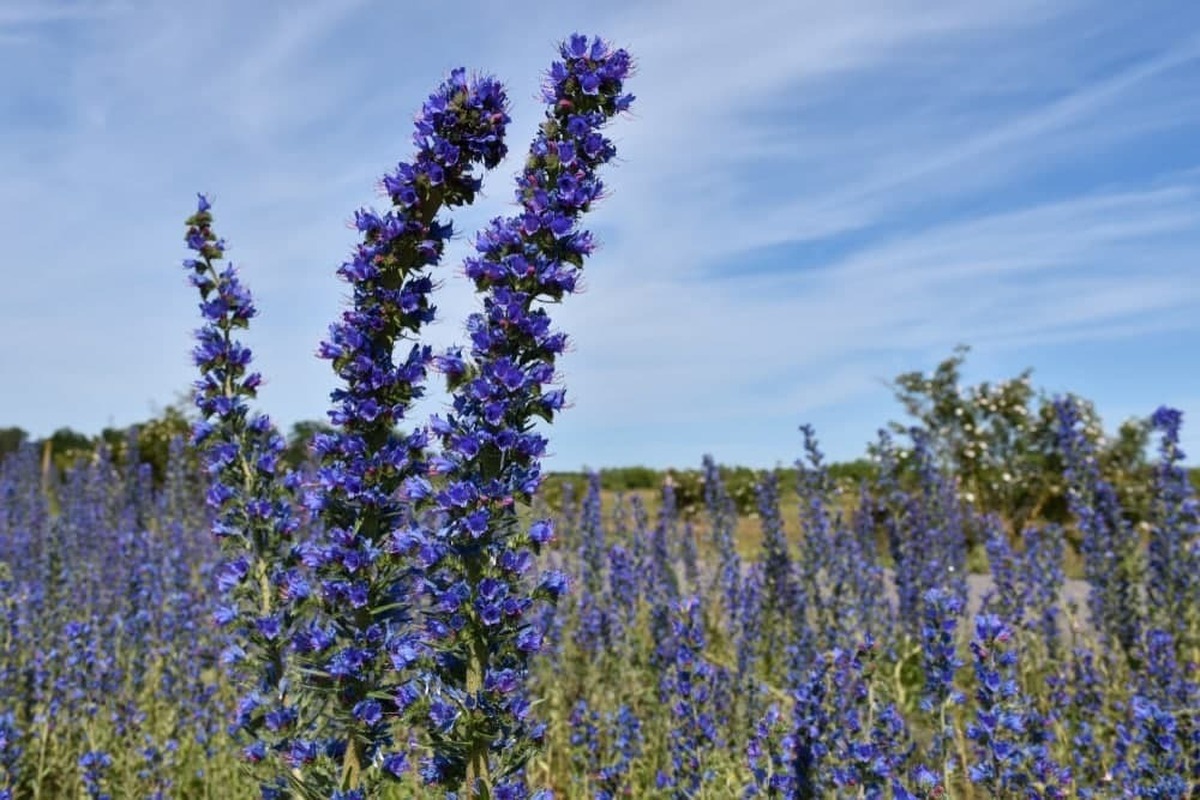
(748, 535)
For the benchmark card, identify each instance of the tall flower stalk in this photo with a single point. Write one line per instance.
(252, 502)
(1173, 579)
(1110, 545)
(479, 579)
(421, 606)
(373, 476)
(1008, 739)
(722, 514)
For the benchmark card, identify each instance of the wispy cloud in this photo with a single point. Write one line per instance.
(22, 14)
(812, 197)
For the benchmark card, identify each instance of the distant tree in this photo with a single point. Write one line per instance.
(11, 440)
(620, 479)
(154, 437)
(68, 445)
(115, 439)
(150, 440)
(853, 473)
(556, 484)
(1000, 441)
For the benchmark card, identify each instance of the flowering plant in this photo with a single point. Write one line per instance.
(405, 624)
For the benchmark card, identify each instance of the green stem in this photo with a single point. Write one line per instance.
(41, 768)
(352, 765)
(942, 744)
(478, 782)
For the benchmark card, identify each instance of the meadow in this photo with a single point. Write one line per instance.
(677, 666)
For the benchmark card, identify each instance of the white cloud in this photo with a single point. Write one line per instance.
(33, 13)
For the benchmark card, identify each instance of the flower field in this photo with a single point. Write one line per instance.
(674, 667)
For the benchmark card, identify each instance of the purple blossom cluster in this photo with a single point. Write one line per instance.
(110, 679)
(10, 751)
(1173, 563)
(109, 584)
(478, 564)
(722, 520)
(1109, 541)
(413, 603)
(605, 746)
(252, 498)
(373, 480)
(837, 693)
(1010, 742)
(690, 687)
(840, 583)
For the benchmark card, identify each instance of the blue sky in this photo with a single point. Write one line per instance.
(812, 198)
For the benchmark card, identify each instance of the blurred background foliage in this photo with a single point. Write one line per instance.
(996, 438)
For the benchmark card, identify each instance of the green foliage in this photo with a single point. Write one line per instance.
(999, 440)
(67, 445)
(150, 440)
(626, 478)
(853, 473)
(740, 482)
(11, 440)
(554, 489)
(154, 437)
